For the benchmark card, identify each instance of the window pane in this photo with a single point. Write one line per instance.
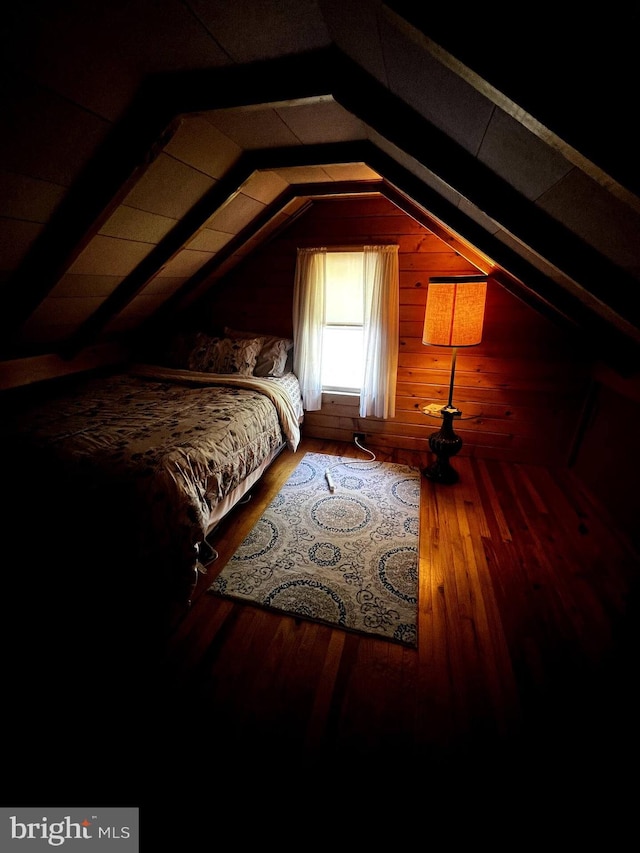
(344, 290)
(342, 362)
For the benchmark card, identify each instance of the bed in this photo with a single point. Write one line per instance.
(142, 464)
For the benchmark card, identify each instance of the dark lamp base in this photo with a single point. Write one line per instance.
(444, 444)
(441, 472)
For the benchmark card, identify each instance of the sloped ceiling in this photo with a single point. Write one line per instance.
(150, 146)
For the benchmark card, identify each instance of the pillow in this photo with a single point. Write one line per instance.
(227, 355)
(272, 358)
(186, 348)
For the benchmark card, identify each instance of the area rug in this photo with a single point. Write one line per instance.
(347, 557)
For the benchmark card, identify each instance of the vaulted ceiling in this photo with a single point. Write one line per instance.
(151, 145)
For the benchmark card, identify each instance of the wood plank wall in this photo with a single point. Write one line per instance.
(522, 389)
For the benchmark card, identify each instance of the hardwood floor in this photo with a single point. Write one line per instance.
(527, 655)
(521, 694)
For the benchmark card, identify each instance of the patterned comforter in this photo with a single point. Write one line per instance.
(154, 449)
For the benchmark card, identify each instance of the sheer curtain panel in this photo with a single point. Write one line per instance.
(308, 318)
(381, 331)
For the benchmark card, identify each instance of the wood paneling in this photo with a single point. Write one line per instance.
(523, 387)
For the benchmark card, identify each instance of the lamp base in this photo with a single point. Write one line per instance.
(444, 444)
(441, 472)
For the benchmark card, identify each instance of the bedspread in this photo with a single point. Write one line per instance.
(154, 449)
(278, 395)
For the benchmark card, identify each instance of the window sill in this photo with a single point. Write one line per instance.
(349, 396)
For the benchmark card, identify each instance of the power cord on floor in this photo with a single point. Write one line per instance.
(327, 472)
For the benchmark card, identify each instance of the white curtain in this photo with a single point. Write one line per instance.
(381, 328)
(381, 331)
(308, 316)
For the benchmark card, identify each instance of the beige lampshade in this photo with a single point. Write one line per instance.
(455, 311)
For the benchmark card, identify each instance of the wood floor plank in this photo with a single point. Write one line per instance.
(324, 692)
(493, 501)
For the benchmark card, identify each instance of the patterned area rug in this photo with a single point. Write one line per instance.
(347, 558)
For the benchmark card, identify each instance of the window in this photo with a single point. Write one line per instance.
(345, 326)
(343, 323)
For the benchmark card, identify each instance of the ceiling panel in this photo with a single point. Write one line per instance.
(199, 143)
(26, 198)
(72, 285)
(134, 224)
(253, 128)
(169, 188)
(598, 217)
(235, 215)
(75, 47)
(39, 117)
(521, 157)
(164, 285)
(16, 238)
(264, 186)
(109, 256)
(351, 172)
(435, 91)
(69, 313)
(269, 28)
(208, 240)
(140, 308)
(186, 263)
(322, 122)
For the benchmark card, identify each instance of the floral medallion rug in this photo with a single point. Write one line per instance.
(341, 550)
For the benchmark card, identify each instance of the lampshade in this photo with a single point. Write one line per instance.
(455, 311)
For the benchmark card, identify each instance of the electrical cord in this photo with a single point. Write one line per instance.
(327, 472)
